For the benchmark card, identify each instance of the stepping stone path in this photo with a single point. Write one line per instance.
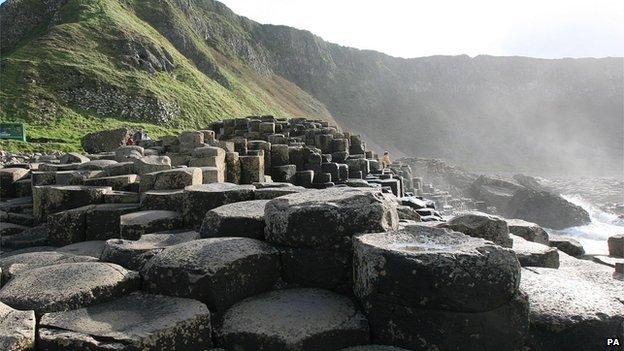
(293, 319)
(135, 322)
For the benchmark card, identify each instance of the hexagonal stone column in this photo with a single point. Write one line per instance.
(216, 271)
(293, 319)
(68, 286)
(51, 199)
(15, 264)
(421, 284)
(133, 254)
(316, 228)
(176, 178)
(133, 225)
(242, 219)
(135, 322)
(200, 199)
(568, 312)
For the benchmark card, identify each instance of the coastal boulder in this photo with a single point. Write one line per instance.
(293, 319)
(106, 140)
(216, 271)
(532, 254)
(528, 231)
(135, 322)
(133, 225)
(481, 225)
(568, 245)
(435, 268)
(546, 209)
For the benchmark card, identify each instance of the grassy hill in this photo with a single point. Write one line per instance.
(83, 65)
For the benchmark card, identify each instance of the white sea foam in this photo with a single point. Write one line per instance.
(593, 236)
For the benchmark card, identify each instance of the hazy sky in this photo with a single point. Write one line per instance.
(408, 28)
(412, 28)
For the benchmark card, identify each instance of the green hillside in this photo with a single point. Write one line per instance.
(84, 65)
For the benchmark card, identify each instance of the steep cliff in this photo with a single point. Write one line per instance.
(203, 61)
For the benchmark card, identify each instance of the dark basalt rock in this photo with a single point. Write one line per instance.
(138, 321)
(568, 312)
(216, 271)
(481, 225)
(433, 268)
(503, 328)
(200, 199)
(242, 219)
(568, 245)
(133, 254)
(293, 220)
(68, 286)
(546, 209)
(527, 230)
(15, 264)
(532, 254)
(293, 319)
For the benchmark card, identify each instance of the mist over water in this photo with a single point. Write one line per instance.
(593, 236)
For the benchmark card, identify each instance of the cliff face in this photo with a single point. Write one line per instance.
(487, 113)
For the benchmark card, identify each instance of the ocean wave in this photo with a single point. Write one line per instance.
(593, 236)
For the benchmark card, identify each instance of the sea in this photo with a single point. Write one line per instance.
(603, 199)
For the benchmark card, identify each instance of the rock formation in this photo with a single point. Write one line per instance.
(309, 246)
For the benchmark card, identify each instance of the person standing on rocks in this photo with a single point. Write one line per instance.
(385, 160)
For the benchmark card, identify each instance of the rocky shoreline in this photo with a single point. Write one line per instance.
(262, 233)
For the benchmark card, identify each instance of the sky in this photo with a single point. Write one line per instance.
(414, 28)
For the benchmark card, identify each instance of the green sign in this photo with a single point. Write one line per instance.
(15, 131)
